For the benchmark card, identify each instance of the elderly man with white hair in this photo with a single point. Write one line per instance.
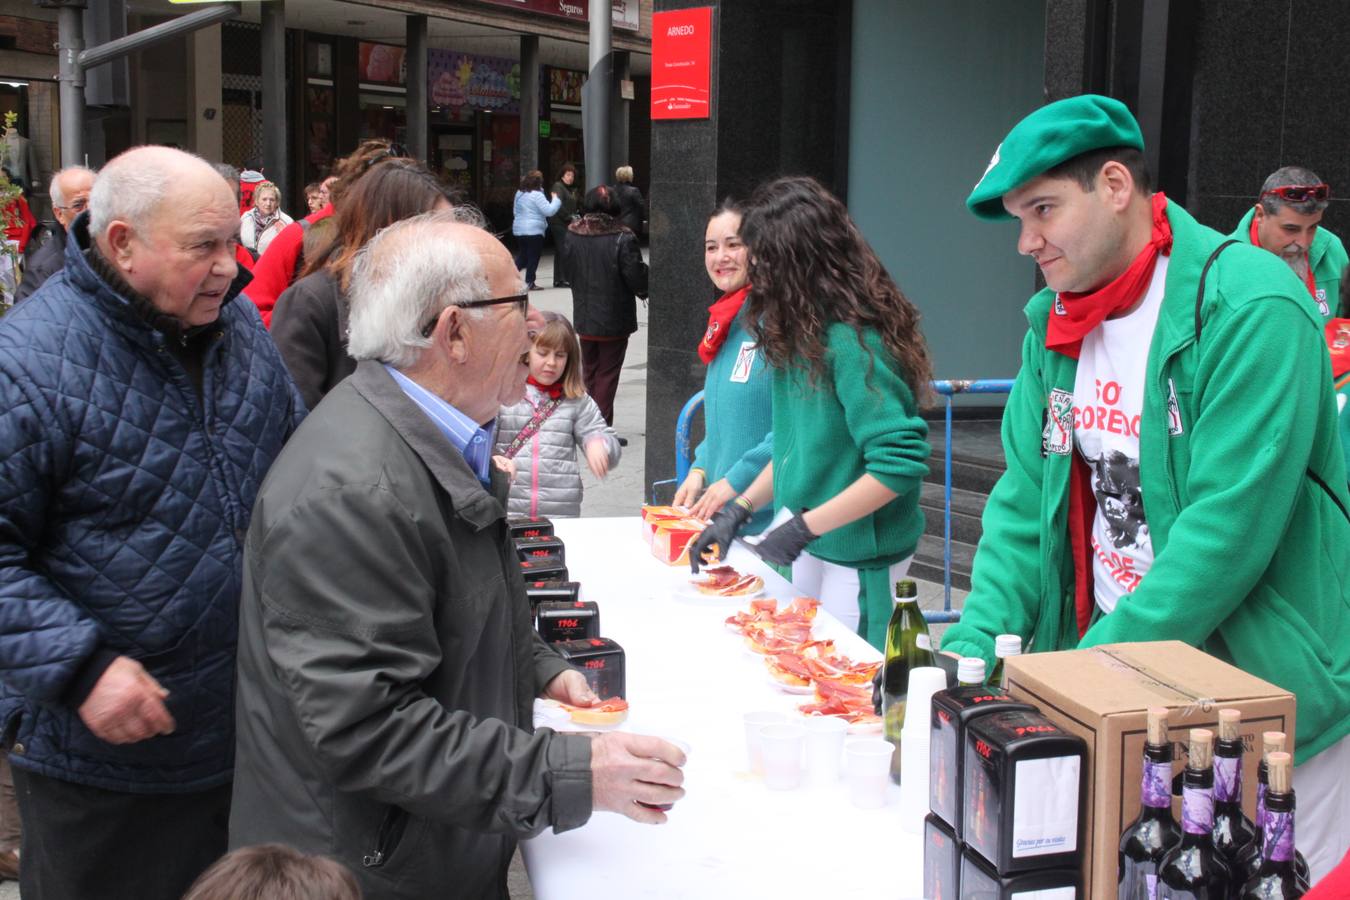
(69, 191)
(141, 405)
(387, 664)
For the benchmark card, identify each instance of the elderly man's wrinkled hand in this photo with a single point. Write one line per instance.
(126, 705)
(570, 686)
(628, 770)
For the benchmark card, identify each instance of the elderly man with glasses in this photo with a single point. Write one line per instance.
(387, 664)
(70, 189)
(1287, 221)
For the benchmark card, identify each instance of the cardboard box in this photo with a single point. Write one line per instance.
(671, 540)
(1102, 695)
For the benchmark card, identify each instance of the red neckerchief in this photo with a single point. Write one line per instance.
(1074, 315)
(553, 390)
(720, 316)
(1308, 279)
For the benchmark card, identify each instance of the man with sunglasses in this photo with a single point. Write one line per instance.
(387, 664)
(1174, 469)
(1286, 220)
(70, 189)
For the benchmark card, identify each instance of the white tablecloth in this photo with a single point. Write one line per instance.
(688, 677)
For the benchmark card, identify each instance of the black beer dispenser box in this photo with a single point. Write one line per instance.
(564, 621)
(522, 527)
(543, 568)
(978, 880)
(562, 591)
(941, 860)
(540, 546)
(600, 660)
(953, 711)
(1023, 793)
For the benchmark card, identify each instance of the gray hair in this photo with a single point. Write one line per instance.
(54, 189)
(406, 276)
(624, 174)
(230, 174)
(134, 184)
(1286, 177)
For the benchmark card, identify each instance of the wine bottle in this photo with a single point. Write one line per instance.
(1249, 860)
(1276, 878)
(970, 672)
(1193, 870)
(1155, 831)
(1233, 831)
(908, 646)
(1005, 645)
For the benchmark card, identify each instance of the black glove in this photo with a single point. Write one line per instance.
(785, 543)
(725, 524)
(876, 689)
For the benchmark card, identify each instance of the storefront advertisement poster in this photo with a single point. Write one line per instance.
(382, 64)
(681, 62)
(480, 82)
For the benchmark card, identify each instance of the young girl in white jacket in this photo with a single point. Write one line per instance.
(542, 433)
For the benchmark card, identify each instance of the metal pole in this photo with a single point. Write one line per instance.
(599, 83)
(529, 104)
(274, 92)
(417, 87)
(70, 43)
(96, 56)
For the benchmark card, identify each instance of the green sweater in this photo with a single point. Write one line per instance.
(1327, 258)
(1245, 503)
(738, 418)
(859, 418)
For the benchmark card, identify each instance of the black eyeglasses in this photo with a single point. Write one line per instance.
(79, 206)
(522, 302)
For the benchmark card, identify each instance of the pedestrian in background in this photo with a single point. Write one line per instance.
(564, 189)
(632, 208)
(264, 221)
(605, 266)
(530, 222)
(69, 191)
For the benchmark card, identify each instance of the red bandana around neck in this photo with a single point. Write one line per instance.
(1074, 315)
(1308, 280)
(554, 390)
(720, 316)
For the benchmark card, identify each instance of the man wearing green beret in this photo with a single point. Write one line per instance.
(1174, 468)
(1286, 220)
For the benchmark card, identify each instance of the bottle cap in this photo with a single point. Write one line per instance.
(1157, 725)
(970, 670)
(1202, 749)
(1008, 645)
(1280, 765)
(1271, 742)
(1229, 720)
(906, 589)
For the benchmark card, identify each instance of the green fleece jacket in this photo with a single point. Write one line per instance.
(1245, 497)
(738, 418)
(858, 418)
(1327, 258)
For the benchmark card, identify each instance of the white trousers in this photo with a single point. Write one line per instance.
(1322, 823)
(835, 586)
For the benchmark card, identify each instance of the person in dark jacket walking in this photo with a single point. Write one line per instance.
(565, 191)
(632, 207)
(309, 322)
(607, 271)
(69, 189)
(141, 404)
(387, 664)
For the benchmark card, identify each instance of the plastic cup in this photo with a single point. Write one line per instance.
(914, 750)
(924, 682)
(824, 747)
(868, 771)
(781, 746)
(754, 722)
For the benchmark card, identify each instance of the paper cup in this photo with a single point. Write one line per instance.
(754, 722)
(824, 747)
(868, 771)
(782, 747)
(924, 682)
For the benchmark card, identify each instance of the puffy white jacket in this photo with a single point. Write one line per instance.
(548, 474)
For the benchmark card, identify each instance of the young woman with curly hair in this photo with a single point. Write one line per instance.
(850, 373)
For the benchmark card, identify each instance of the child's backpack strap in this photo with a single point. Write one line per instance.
(1200, 291)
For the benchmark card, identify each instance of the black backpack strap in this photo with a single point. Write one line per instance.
(1200, 291)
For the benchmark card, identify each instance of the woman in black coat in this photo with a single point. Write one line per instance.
(605, 266)
(632, 207)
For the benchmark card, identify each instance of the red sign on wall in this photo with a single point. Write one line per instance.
(681, 55)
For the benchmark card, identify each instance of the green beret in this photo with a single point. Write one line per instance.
(1053, 134)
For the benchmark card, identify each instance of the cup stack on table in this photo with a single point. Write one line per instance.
(691, 679)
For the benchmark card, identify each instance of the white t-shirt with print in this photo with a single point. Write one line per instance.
(1108, 400)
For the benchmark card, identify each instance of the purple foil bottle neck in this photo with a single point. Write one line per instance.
(1227, 779)
(1155, 788)
(1260, 804)
(1197, 810)
(1279, 836)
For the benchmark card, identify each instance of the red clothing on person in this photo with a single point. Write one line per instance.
(275, 269)
(1335, 886)
(20, 230)
(243, 257)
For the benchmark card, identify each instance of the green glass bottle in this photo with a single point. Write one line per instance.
(1005, 645)
(908, 646)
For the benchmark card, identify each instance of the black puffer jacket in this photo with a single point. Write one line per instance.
(606, 269)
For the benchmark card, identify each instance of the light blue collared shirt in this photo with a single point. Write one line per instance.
(465, 434)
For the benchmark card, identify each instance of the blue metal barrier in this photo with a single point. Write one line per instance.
(947, 389)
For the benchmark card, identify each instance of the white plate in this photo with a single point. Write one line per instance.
(690, 594)
(791, 688)
(864, 728)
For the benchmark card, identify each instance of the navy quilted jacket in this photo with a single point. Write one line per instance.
(124, 499)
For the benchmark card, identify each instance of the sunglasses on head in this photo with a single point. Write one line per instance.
(1300, 193)
(522, 302)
